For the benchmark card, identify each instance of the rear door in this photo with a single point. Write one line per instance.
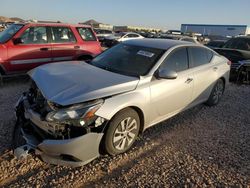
(64, 44)
(90, 44)
(205, 72)
(34, 50)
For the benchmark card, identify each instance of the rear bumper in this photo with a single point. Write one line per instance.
(72, 152)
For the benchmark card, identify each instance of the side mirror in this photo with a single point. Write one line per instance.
(18, 41)
(166, 74)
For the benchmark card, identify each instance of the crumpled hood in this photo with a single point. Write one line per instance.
(72, 82)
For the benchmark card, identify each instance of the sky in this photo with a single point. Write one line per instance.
(163, 14)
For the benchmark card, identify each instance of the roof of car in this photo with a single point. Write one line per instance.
(54, 24)
(164, 44)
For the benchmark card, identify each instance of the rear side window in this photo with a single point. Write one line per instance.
(86, 34)
(200, 56)
(62, 35)
(176, 61)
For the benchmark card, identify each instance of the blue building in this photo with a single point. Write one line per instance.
(221, 30)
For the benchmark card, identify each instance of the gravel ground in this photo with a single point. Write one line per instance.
(202, 147)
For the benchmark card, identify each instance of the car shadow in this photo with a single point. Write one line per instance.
(19, 79)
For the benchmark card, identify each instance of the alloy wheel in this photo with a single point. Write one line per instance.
(218, 91)
(125, 133)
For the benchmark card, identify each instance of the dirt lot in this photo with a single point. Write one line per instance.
(201, 147)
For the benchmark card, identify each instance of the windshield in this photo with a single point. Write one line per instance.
(238, 43)
(8, 33)
(128, 59)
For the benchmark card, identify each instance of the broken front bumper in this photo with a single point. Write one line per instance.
(74, 152)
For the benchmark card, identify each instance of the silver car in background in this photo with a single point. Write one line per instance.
(75, 110)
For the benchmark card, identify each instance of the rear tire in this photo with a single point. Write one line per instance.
(122, 132)
(216, 93)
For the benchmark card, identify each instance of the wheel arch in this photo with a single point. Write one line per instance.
(224, 82)
(141, 117)
(138, 111)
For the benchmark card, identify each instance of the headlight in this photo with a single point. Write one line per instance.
(83, 113)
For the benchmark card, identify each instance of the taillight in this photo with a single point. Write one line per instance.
(229, 63)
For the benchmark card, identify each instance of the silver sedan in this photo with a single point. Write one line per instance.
(75, 110)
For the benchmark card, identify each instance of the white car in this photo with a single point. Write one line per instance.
(129, 36)
(121, 37)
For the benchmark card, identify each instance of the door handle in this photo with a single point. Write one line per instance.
(77, 47)
(215, 68)
(189, 80)
(44, 49)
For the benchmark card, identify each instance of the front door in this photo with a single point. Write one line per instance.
(32, 52)
(169, 96)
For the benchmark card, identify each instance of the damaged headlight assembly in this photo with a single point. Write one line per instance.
(79, 115)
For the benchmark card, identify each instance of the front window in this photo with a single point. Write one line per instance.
(35, 35)
(128, 59)
(176, 61)
(8, 33)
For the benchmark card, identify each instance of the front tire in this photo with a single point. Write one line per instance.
(216, 93)
(122, 131)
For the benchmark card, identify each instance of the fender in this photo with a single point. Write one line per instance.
(139, 98)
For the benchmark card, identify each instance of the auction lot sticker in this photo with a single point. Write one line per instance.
(145, 53)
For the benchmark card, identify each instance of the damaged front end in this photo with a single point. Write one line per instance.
(63, 135)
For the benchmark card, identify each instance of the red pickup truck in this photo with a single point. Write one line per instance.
(24, 46)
